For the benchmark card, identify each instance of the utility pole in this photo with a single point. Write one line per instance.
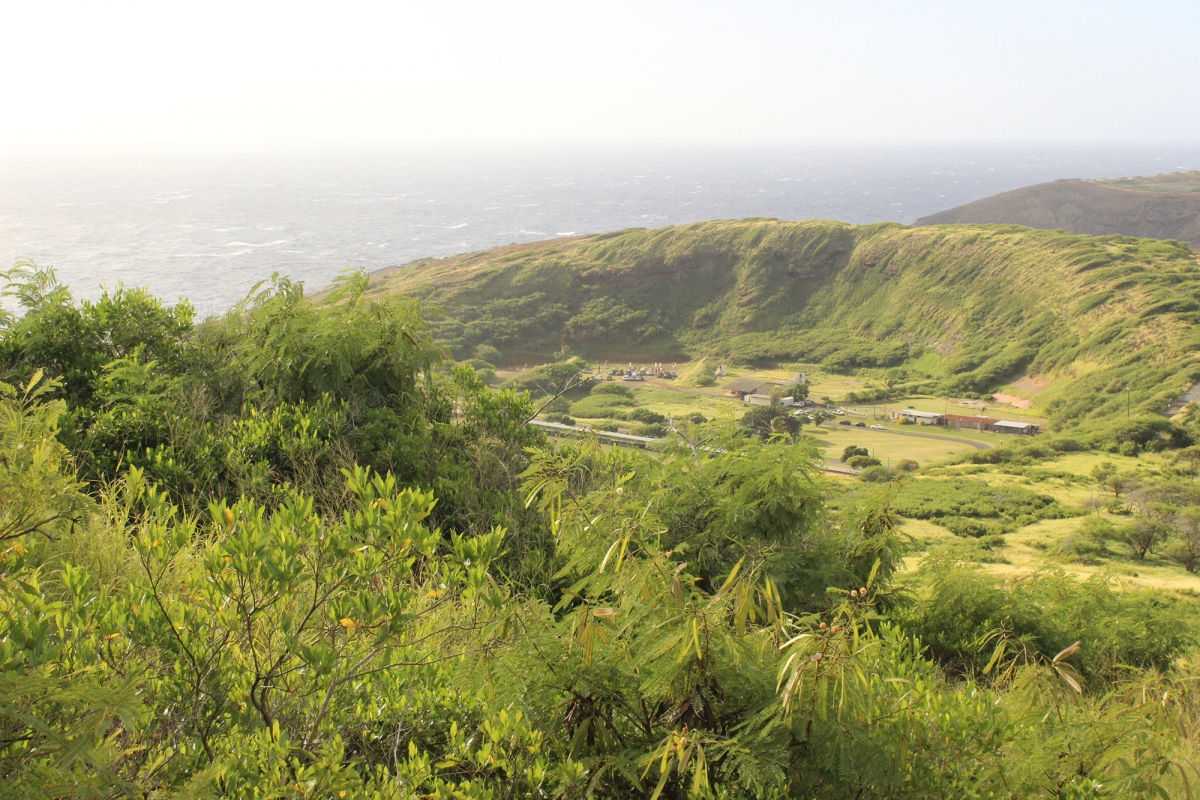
(1126, 402)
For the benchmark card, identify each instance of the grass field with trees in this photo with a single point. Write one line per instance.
(962, 309)
(302, 549)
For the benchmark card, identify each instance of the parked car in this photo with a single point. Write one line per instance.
(844, 422)
(839, 412)
(860, 424)
(878, 428)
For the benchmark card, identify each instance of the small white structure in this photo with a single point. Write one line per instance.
(745, 386)
(1018, 428)
(758, 400)
(798, 379)
(721, 371)
(917, 417)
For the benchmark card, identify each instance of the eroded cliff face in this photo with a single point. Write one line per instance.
(1162, 210)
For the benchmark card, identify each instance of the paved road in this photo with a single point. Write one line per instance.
(836, 466)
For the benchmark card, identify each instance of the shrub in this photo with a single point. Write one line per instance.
(601, 405)
(907, 465)
(1184, 547)
(611, 427)
(878, 474)
(1007, 506)
(1082, 549)
(650, 429)
(613, 389)
(561, 419)
(854, 450)
(1045, 613)
(1017, 452)
(1151, 433)
(647, 416)
(764, 421)
(1183, 551)
(549, 377)
(1098, 529)
(972, 527)
(485, 352)
(1143, 536)
(862, 462)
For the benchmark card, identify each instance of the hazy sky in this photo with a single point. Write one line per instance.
(98, 75)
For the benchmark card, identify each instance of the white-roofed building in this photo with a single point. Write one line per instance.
(915, 417)
(1018, 428)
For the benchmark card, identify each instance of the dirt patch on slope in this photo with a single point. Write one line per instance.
(1032, 383)
(1011, 399)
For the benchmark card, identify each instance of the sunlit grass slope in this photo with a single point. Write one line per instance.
(971, 306)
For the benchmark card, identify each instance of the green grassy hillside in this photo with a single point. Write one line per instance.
(972, 307)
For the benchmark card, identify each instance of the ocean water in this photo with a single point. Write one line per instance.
(210, 228)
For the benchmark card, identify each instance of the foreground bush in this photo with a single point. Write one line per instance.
(251, 570)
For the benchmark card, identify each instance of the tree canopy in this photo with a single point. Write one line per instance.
(295, 551)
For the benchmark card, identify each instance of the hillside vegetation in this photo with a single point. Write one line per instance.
(1158, 206)
(291, 552)
(970, 307)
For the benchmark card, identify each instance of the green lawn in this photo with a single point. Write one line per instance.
(833, 438)
(672, 398)
(1067, 478)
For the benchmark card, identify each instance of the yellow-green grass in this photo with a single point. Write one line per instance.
(679, 404)
(833, 439)
(1085, 492)
(1066, 492)
(671, 399)
(1039, 546)
(976, 298)
(1084, 463)
(834, 386)
(927, 534)
(837, 387)
(820, 385)
(1028, 549)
